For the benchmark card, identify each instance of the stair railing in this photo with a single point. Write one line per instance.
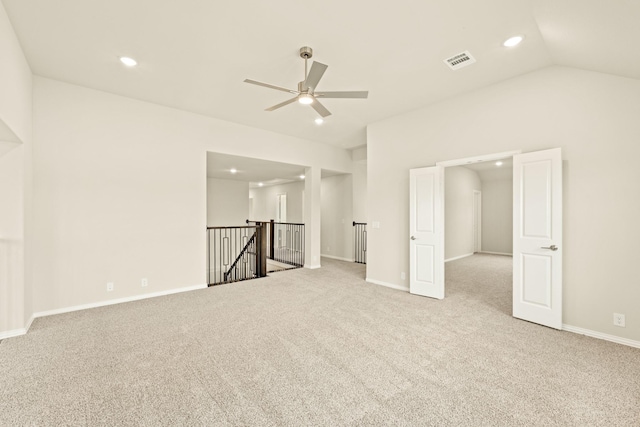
(285, 242)
(244, 256)
(235, 253)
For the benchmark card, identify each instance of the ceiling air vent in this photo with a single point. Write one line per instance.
(460, 60)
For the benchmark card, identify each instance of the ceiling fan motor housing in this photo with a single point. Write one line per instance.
(306, 52)
(302, 89)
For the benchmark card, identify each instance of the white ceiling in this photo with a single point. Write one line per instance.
(195, 54)
(219, 166)
(488, 171)
(255, 171)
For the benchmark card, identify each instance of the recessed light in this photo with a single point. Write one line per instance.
(129, 62)
(513, 41)
(260, 184)
(498, 163)
(301, 176)
(233, 170)
(319, 121)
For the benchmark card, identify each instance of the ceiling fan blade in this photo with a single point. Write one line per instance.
(320, 108)
(356, 94)
(314, 76)
(282, 104)
(283, 89)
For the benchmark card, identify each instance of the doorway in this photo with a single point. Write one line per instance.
(478, 209)
(478, 236)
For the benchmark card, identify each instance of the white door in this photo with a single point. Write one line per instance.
(537, 237)
(426, 228)
(477, 221)
(281, 212)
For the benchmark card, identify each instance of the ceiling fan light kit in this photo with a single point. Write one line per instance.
(306, 93)
(305, 99)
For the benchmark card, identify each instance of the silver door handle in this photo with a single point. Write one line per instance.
(552, 247)
(413, 238)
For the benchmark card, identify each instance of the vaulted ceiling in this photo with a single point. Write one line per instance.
(195, 54)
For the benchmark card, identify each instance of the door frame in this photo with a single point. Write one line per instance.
(478, 159)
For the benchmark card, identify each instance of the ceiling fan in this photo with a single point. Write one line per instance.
(306, 93)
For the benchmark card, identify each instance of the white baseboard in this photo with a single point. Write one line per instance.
(495, 253)
(31, 319)
(458, 257)
(13, 333)
(338, 258)
(22, 331)
(17, 332)
(388, 285)
(600, 335)
(312, 267)
(117, 301)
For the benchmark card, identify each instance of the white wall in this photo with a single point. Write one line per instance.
(16, 193)
(459, 184)
(360, 191)
(337, 217)
(594, 119)
(120, 191)
(8, 139)
(497, 215)
(12, 298)
(265, 206)
(15, 83)
(227, 202)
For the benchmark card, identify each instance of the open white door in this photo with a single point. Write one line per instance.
(426, 228)
(537, 237)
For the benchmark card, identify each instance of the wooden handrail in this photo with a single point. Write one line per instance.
(287, 223)
(232, 227)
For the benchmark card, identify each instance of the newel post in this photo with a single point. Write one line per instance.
(261, 231)
(271, 239)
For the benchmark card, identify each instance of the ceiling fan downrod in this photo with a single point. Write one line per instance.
(305, 53)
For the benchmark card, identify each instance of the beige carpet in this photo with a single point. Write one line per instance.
(317, 347)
